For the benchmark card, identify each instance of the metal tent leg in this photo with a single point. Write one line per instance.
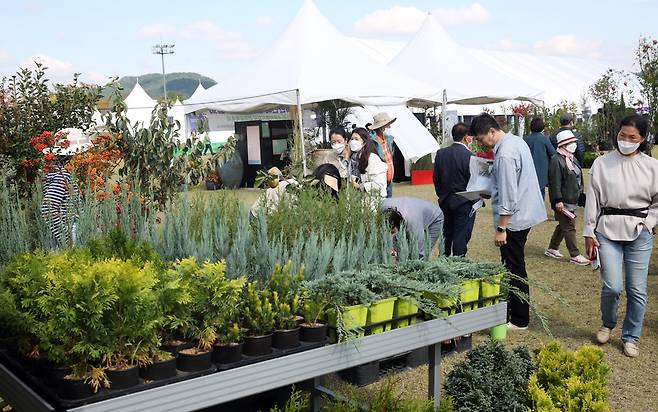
(434, 373)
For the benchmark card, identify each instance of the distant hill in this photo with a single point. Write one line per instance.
(179, 84)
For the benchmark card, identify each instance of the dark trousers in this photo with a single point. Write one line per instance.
(566, 229)
(513, 257)
(457, 228)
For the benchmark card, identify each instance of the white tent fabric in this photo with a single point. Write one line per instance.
(140, 106)
(434, 57)
(298, 64)
(197, 92)
(177, 112)
(413, 139)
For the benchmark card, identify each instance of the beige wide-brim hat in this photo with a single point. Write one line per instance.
(381, 119)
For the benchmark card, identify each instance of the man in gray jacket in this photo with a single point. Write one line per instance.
(422, 219)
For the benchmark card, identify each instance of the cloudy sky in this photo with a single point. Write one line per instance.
(216, 38)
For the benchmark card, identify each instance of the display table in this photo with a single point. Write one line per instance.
(242, 382)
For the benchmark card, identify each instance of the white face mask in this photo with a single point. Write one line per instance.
(627, 148)
(338, 147)
(571, 147)
(355, 145)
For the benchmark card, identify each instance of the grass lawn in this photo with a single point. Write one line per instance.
(632, 382)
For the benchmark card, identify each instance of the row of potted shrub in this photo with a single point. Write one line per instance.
(93, 321)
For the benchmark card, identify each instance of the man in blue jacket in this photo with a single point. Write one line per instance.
(542, 151)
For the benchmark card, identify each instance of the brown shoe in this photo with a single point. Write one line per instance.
(603, 335)
(631, 349)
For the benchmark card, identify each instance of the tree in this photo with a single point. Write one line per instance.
(646, 57)
(29, 107)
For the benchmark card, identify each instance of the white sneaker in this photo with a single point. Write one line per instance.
(553, 253)
(511, 326)
(580, 260)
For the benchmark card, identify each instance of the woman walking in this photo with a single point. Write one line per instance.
(620, 214)
(565, 189)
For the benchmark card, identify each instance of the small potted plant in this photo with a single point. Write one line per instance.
(213, 181)
(313, 329)
(228, 348)
(286, 328)
(286, 294)
(212, 294)
(258, 317)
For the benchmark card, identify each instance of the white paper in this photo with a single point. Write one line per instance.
(481, 180)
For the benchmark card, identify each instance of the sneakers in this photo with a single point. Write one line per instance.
(553, 253)
(511, 326)
(631, 349)
(580, 260)
(603, 335)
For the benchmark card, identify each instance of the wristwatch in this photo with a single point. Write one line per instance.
(501, 229)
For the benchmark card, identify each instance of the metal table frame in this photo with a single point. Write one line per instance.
(238, 383)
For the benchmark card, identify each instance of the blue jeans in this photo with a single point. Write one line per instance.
(633, 256)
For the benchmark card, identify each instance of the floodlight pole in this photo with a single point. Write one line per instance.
(163, 49)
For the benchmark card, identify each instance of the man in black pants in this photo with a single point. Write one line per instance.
(517, 206)
(451, 175)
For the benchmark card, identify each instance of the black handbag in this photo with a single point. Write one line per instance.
(582, 199)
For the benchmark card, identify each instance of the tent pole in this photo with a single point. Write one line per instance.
(443, 117)
(301, 132)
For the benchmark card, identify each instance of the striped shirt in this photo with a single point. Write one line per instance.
(57, 192)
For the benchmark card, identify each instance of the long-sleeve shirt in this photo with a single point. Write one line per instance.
(515, 190)
(422, 218)
(621, 182)
(374, 179)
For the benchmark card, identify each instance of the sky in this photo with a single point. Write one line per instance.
(217, 38)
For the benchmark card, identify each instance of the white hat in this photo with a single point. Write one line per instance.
(565, 137)
(78, 142)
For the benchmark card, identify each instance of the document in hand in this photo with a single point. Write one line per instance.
(475, 195)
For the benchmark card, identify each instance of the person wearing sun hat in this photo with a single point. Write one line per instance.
(384, 145)
(60, 193)
(565, 189)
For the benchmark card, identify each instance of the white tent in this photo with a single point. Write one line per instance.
(140, 106)
(197, 92)
(434, 57)
(411, 136)
(177, 112)
(298, 69)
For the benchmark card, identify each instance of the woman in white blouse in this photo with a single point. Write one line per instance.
(372, 170)
(620, 214)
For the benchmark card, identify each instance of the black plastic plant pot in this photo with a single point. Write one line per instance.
(157, 371)
(257, 345)
(174, 347)
(315, 332)
(230, 353)
(74, 389)
(55, 373)
(286, 339)
(191, 360)
(123, 378)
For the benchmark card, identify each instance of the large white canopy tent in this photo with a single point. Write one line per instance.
(433, 56)
(297, 71)
(140, 106)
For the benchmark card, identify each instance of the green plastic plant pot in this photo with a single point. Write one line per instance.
(498, 332)
(469, 292)
(381, 311)
(448, 304)
(353, 317)
(490, 288)
(405, 307)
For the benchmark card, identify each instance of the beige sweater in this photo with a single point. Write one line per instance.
(621, 182)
